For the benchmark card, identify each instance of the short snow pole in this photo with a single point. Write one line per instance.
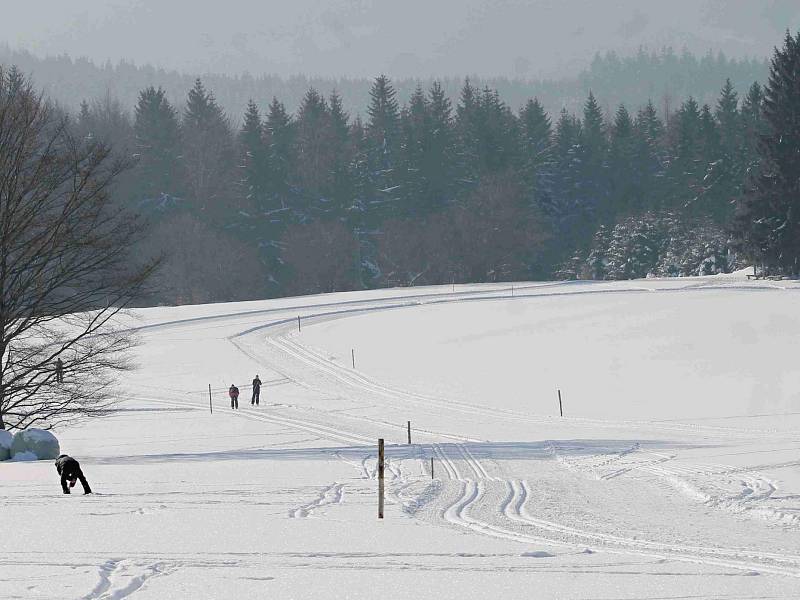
(409, 433)
(380, 478)
(353, 356)
(431, 467)
(560, 406)
(298, 323)
(210, 407)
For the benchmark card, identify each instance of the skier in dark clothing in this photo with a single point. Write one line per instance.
(233, 392)
(70, 471)
(256, 391)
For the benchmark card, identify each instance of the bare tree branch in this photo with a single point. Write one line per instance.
(66, 271)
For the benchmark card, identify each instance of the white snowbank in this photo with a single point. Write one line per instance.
(42, 444)
(5, 444)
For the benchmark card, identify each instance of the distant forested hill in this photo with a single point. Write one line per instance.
(664, 76)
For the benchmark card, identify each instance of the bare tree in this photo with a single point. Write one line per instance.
(203, 265)
(65, 266)
(496, 234)
(322, 256)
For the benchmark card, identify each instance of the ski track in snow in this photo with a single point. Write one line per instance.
(332, 494)
(534, 530)
(120, 578)
(474, 491)
(748, 493)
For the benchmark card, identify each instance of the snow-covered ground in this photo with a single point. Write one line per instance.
(675, 472)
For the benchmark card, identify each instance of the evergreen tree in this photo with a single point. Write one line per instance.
(727, 115)
(624, 164)
(769, 215)
(254, 158)
(488, 133)
(440, 161)
(537, 153)
(417, 134)
(280, 138)
(426, 126)
(343, 150)
(383, 127)
(648, 163)
(752, 124)
(648, 123)
(157, 144)
(209, 155)
(684, 171)
(709, 136)
(725, 153)
(383, 147)
(594, 204)
(566, 149)
(314, 159)
(467, 158)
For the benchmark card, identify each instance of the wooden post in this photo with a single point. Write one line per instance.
(380, 478)
(353, 356)
(409, 433)
(298, 323)
(431, 467)
(560, 406)
(210, 407)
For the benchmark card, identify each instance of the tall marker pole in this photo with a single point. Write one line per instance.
(380, 478)
(560, 406)
(409, 433)
(210, 407)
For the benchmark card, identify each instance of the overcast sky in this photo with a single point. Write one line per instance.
(526, 38)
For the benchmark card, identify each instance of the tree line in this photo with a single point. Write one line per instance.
(432, 191)
(663, 74)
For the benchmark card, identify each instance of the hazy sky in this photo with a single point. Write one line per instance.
(527, 38)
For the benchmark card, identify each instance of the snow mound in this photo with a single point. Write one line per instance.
(5, 444)
(42, 444)
(24, 457)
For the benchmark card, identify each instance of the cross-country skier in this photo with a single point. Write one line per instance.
(256, 391)
(70, 471)
(233, 392)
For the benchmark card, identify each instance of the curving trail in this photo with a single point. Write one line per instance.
(486, 487)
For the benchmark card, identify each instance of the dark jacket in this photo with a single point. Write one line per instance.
(67, 466)
(70, 470)
(233, 391)
(256, 384)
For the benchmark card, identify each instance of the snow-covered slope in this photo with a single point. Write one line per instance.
(674, 472)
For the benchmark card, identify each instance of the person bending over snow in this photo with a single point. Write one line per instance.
(70, 471)
(233, 392)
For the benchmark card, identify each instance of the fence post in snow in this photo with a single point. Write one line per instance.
(353, 356)
(298, 323)
(431, 467)
(380, 478)
(409, 433)
(560, 407)
(210, 407)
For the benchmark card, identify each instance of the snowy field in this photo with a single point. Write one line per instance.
(674, 473)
